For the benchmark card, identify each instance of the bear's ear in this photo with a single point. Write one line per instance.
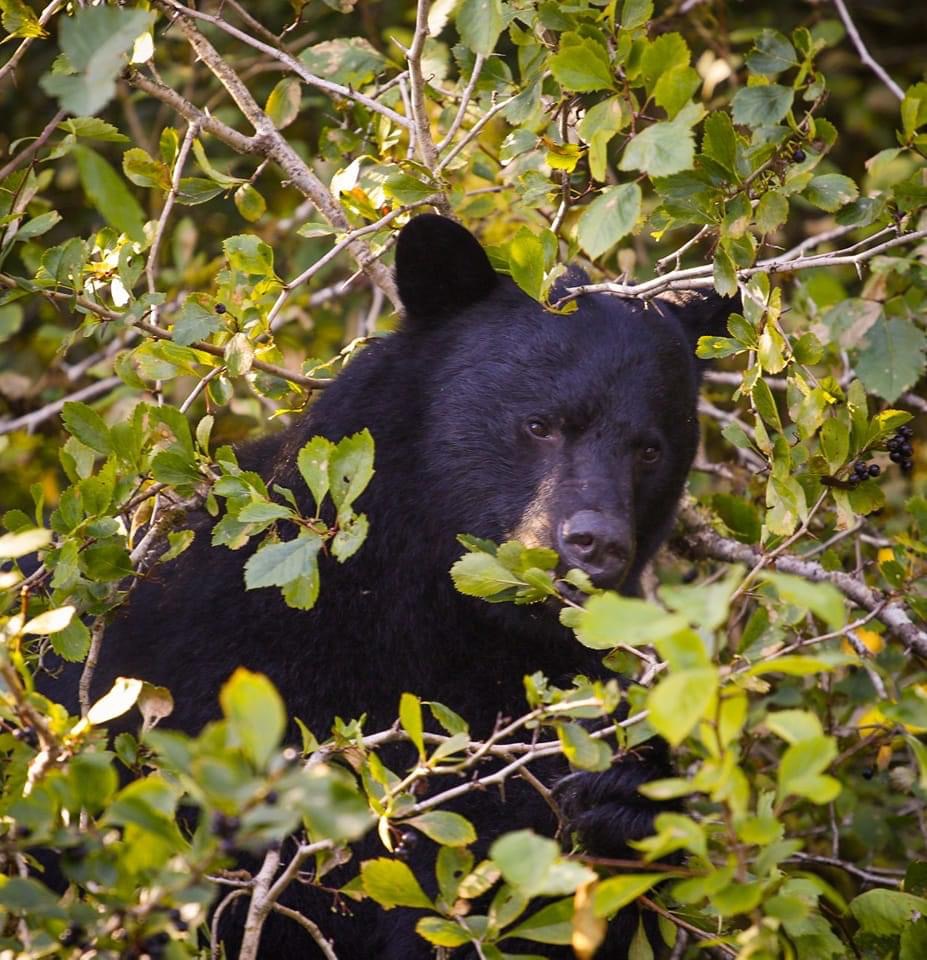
(702, 313)
(440, 267)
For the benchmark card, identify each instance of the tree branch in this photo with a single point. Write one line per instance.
(29, 152)
(697, 539)
(700, 278)
(864, 54)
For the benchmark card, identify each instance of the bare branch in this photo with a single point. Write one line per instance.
(29, 421)
(259, 906)
(464, 103)
(296, 66)
(864, 53)
(696, 278)
(424, 141)
(27, 153)
(311, 928)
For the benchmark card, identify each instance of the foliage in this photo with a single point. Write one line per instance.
(678, 148)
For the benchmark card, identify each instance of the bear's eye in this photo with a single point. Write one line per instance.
(649, 454)
(539, 428)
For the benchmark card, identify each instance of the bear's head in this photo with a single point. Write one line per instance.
(573, 431)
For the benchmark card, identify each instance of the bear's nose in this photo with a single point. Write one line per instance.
(598, 543)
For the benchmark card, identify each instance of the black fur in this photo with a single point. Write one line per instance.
(447, 399)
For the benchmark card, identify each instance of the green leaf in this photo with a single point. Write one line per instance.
(283, 103)
(616, 892)
(255, 714)
(73, 642)
(145, 171)
(276, 564)
(312, 462)
(635, 13)
(765, 404)
(581, 749)
(38, 225)
(107, 191)
(831, 191)
(771, 211)
(891, 359)
(352, 533)
(249, 254)
(661, 149)
(445, 827)
(597, 128)
(95, 41)
(678, 703)
(551, 924)
(239, 355)
(835, 443)
(801, 766)
(348, 60)
(480, 22)
(442, 933)
(724, 272)
(481, 575)
(410, 716)
(581, 64)
(772, 54)
(196, 321)
(822, 599)
(392, 884)
(350, 468)
(719, 141)
(609, 218)
(524, 857)
(763, 105)
(87, 425)
(669, 50)
(609, 619)
(115, 702)
(703, 605)
(93, 128)
(526, 262)
(251, 205)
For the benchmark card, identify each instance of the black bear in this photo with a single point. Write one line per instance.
(493, 417)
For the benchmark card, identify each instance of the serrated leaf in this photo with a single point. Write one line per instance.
(255, 714)
(609, 218)
(95, 41)
(822, 599)
(249, 254)
(350, 468)
(891, 359)
(772, 54)
(661, 149)
(831, 191)
(678, 703)
(88, 426)
(480, 22)
(276, 564)
(762, 106)
(312, 461)
(581, 64)
(195, 322)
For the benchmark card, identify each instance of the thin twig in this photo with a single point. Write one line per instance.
(27, 153)
(311, 928)
(864, 53)
(29, 421)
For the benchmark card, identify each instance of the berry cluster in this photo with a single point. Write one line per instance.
(901, 448)
(862, 470)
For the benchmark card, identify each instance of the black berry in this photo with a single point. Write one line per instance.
(860, 468)
(906, 431)
(798, 156)
(225, 826)
(271, 797)
(896, 456)
(906, 448)
(220, 308)
(874, 470)
(907, 466)
(868, 773)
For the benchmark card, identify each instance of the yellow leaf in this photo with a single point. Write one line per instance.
(588, 929)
